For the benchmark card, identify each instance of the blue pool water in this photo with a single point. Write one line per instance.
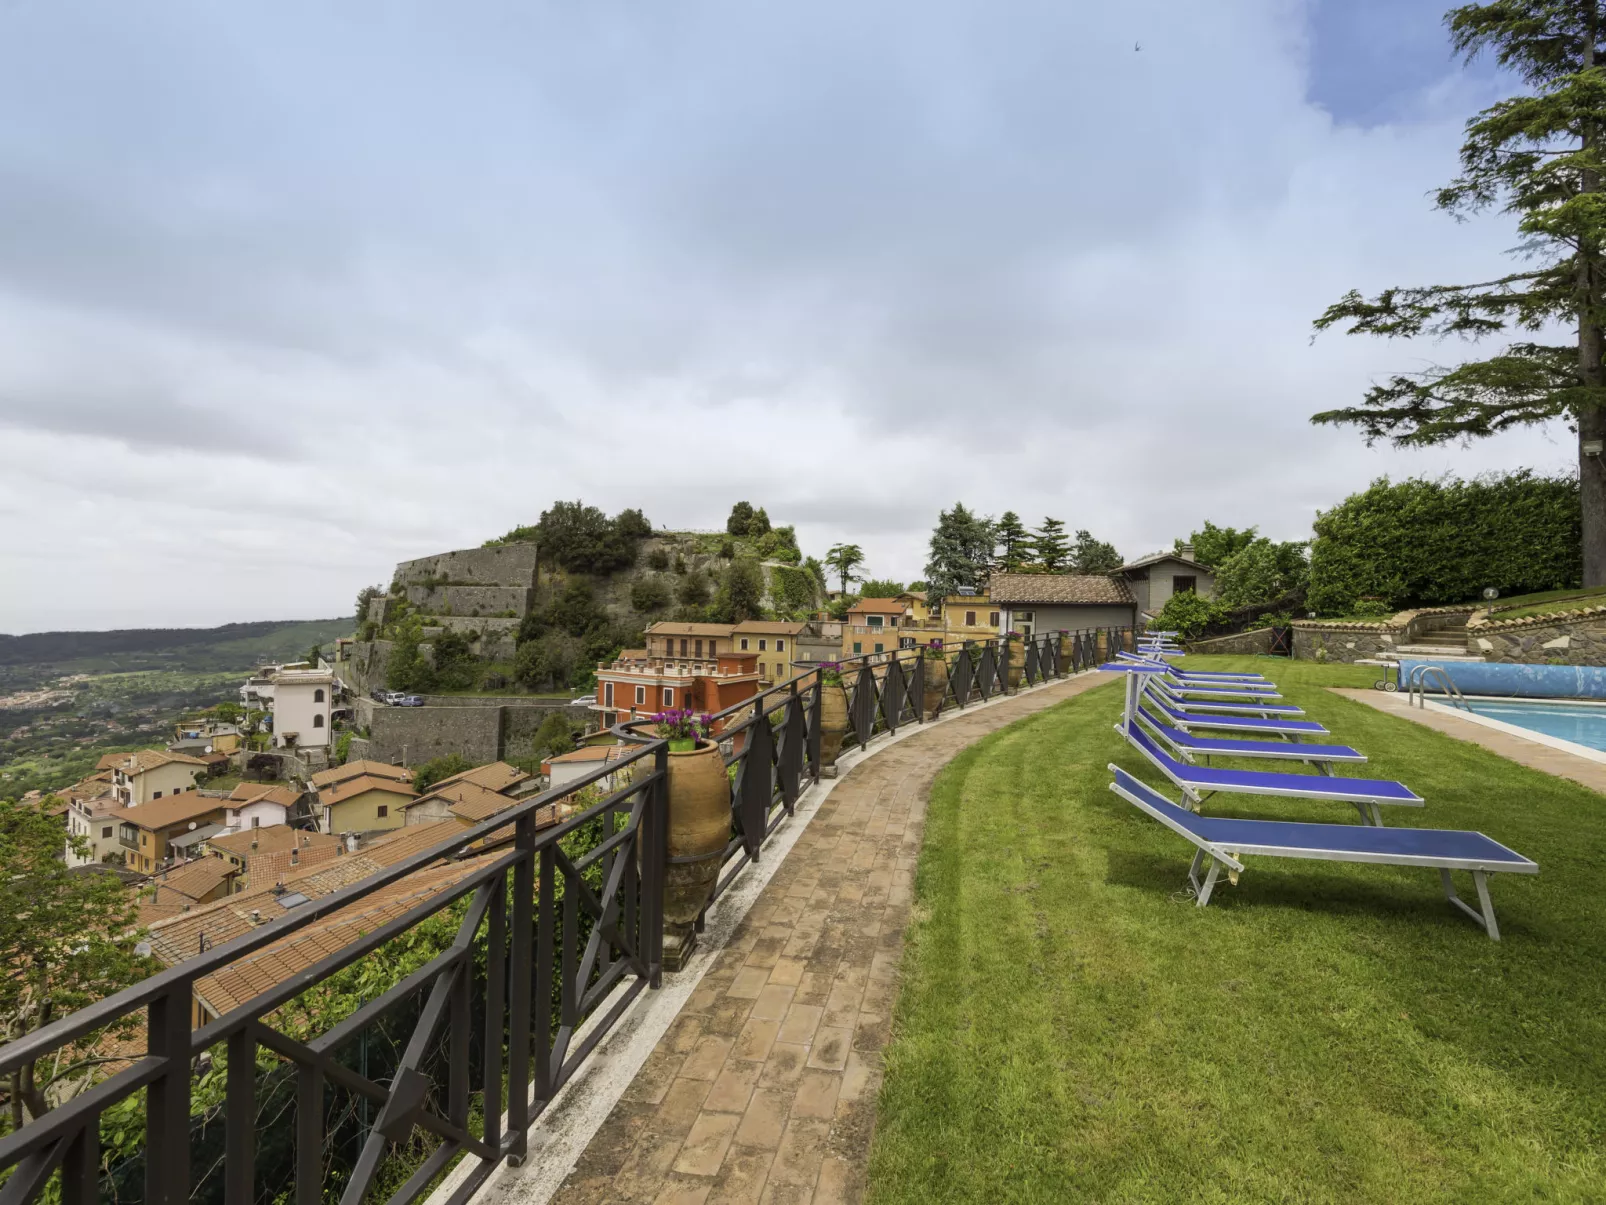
(1580, 724)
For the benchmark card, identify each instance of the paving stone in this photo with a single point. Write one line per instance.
(764, 1088)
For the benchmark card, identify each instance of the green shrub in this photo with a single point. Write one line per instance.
(432, 771)
(1189, 614)
(1432, 543)
(1262, 572)
(658, 560)
(649, 594)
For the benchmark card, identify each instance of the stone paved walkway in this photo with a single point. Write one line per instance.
(763, 1089)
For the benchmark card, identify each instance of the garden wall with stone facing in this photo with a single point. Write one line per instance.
(1241, 644)
(1569, 638)
(470, 601)
(482, 730)
(1344, 642)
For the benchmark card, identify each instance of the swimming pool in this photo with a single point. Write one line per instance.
(1577, 723)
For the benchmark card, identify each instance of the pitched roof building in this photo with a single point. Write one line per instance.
(1039, 602)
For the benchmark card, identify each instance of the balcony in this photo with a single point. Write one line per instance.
(506, 956)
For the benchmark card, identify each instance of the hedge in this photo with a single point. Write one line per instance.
(1425, 543)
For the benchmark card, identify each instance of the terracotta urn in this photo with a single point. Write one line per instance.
(833, 723)
(1067, 651)
(699, 830)
(1017, 661)
(936, 689)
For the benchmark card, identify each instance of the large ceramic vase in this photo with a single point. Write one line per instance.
(833, 725)
(936, 671)
(699, 830)
(1067, 652)
(1017, 662)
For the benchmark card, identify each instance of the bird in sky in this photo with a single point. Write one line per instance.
(1137, 46)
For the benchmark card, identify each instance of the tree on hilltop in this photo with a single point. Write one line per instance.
(741, 515)
(961, 552)
(1013, 541)
(1051, 547)
(842, 560)
(1539, 157)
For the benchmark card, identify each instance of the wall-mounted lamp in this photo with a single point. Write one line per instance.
(1593, 447)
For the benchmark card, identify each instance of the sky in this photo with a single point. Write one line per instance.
(290, 292)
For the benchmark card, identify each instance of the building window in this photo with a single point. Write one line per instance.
(1024, 616)
(780, 646)
(669, 697)
(763, 646)
(382, 811)
(874, 621)
(713, 647)
(641, 694)
(317, 721)
(970, 619)
(607, 694)
(256, 821)
(744, 644)
(992, 619)
(106, 832)
(158, 795)
(878, 646)
(1184, 583)
(317, 695)
(697, 648)
(682, 648)
(858, 647)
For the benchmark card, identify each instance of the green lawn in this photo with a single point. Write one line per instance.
(1071, 1027)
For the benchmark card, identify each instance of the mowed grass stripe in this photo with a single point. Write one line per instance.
(1071, 1027)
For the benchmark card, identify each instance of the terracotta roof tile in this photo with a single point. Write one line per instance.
(263, 869)
(271, 839)
(403, 843)
(497, 776)
(1048, 589)
(170, 809)
(665, 628)
(148, 759)
(354, 769)
(879, 606)
(248, 793)
(194, 879)
(353, 787)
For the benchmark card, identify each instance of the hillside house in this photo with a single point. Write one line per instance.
(365, 804)
(636, 685)
(565, 768)
(1030, 603)
(265, 855)
(260, 805)
(143, 832)
(1153, 579)
(774, 642)
(151, 774)
(697, 643)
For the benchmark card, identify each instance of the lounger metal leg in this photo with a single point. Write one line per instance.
(1377, 816)
(1480, 880)
(1324, 767)
(1203, 893)
(1361, 808)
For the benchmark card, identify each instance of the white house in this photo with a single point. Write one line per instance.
(259, 805)
(300, 701)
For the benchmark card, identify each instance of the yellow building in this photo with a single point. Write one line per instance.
(774, 642)
(364, 804)
(144, 831)
(151, 774)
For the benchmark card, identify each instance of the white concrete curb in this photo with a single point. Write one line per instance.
(562, 1133)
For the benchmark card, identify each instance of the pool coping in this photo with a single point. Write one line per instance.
(1516, 730)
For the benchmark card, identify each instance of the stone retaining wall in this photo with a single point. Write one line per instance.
(481, 730)
(471, 601)
(1250, 643)
(1572, 638)
(1344, 642)
(506, 565)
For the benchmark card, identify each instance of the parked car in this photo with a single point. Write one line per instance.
(408, 701)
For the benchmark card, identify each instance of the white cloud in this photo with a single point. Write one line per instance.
(289, 294)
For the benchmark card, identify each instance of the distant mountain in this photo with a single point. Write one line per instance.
(230, 647)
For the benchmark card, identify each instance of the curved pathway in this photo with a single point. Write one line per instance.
(763, 1089)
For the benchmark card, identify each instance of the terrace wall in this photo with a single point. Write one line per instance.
(1344, 642)
(1243, 644)
(1573, 638)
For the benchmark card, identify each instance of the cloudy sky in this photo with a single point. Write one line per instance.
(292, 291)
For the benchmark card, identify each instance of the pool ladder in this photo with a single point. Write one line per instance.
(1416, 686)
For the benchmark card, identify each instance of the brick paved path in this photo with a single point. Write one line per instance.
(764, 1088)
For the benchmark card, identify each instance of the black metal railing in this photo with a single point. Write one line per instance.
(540, 946)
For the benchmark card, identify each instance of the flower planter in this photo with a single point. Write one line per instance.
(699, 830)
(833, 724)
(1017, 663)
(936, 671)
(1067, 651)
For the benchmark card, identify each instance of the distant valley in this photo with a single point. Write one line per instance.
(68, 697)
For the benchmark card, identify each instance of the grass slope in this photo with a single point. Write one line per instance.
(1072, 1027)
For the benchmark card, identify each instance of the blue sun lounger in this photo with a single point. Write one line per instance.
(1219, 702)
(1218, 688)
(1223, 842)
(1191, 748)
(1183, 675)
(1198, 783)
(1188, 721)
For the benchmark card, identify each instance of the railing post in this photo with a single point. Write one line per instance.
(756, 788)
(655, 866)
(167, 1102)
(521, 974)
(814, 727)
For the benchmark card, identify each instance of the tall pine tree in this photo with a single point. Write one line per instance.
(1051, 546)
(1538, 157)
(1094, 556)
(1013, 542)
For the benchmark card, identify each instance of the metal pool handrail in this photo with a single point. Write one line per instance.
(1416, 686)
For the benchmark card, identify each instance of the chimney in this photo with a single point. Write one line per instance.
(256, 916)
(1187, 551)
